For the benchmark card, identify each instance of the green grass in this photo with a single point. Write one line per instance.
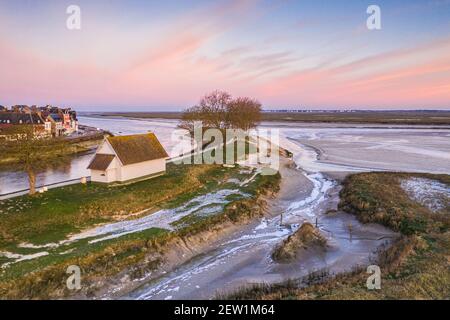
(187, 220)
(139, 253)
(50, 217)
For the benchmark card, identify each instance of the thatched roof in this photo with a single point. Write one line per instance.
(137, 148)
(101, 161)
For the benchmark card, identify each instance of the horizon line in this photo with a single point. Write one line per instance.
(281, 110)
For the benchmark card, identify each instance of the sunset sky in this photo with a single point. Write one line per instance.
(164, 55)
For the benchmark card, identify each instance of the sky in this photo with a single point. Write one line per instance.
(165, 55)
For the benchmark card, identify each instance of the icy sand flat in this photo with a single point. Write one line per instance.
(367, 149)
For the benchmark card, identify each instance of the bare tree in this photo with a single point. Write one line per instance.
(31, 150)
(214, 106)
(211, 111)
(243, 113)
(218, 110)
(189, 117)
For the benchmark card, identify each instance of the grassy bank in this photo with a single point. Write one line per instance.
(363, 117)
(49, 217)
(53, 216)
(415, 267)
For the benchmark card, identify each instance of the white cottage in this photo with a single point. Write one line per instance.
(126, 158)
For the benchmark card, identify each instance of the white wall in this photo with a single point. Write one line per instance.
(105, 148)
(108, 176)
(116, 172)
(101, 176)
(138, 170)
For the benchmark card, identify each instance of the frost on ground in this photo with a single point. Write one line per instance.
(432, 194)
(200, 206)
(20, 257)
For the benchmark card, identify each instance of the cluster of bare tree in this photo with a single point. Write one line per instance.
(219, 110)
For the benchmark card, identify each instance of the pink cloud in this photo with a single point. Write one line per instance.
(30, 78)
(180, 64)
(416, 77)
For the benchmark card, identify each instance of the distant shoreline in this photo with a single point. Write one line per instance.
(356, 117)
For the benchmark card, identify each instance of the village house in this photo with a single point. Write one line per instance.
(48, 120)
(128, 158)
(21, 108)
(61, 121)
(9, 119)
(73, 121)
(55, 123)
